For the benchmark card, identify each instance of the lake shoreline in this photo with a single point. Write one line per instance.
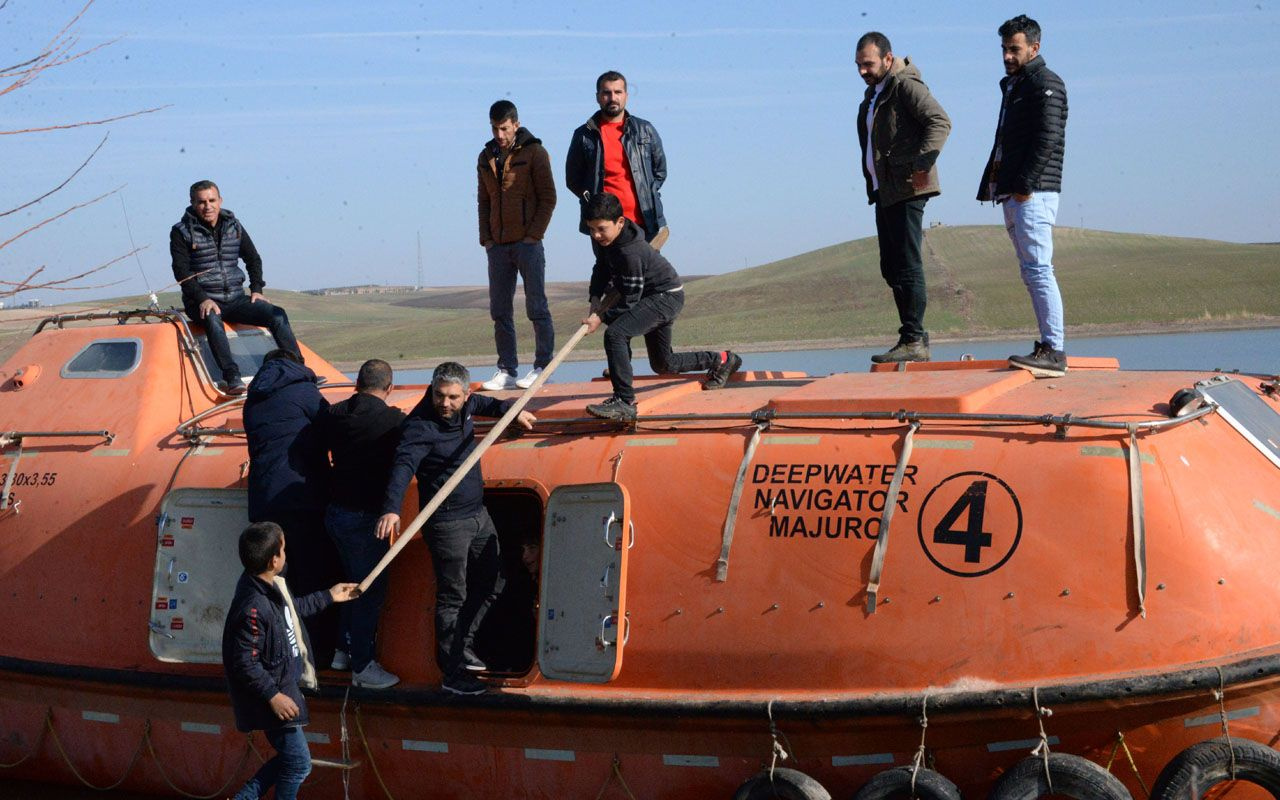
(1085, 331)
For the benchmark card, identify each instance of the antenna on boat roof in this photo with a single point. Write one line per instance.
(155, 301)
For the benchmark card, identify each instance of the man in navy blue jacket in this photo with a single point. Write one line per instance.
(267, 655)
(437, 437)
(288, 476)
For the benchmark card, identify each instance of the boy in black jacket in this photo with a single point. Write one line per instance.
(636, 292)
(265, 653)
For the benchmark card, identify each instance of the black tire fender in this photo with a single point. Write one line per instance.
(784, 784)
(896, 782)
(1073, 776)
(1206, 764)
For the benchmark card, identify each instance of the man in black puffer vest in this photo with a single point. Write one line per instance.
(207, 245)
(1024, 175)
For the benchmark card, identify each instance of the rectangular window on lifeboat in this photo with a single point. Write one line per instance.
(248, 346)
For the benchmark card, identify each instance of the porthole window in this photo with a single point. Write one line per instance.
(106, 358)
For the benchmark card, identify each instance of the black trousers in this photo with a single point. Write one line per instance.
(243, 310)
(898, 228)
(651, 318)
(468, 565)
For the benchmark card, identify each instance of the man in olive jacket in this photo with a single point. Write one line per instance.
(515, 198)
(901, 129)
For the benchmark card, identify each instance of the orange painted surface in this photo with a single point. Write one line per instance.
(1040, 591)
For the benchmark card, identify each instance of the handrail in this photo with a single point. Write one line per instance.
(1060, 421)
(189, 429)
(9, 437)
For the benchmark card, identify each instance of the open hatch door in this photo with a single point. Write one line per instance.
(197, 566)
(583, 626)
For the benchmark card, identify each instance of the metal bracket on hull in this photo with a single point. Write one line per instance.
(886, 517)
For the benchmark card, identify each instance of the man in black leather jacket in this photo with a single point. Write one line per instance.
(619, 153)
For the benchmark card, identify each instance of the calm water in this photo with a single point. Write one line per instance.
(1247, 351)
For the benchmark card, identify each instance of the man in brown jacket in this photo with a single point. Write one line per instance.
(515, 198)
(901, 129)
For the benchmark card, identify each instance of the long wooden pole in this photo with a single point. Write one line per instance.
(471, 460)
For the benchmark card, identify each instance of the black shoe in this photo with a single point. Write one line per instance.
(1043, 362)
(719, 375)
(613, 408)
(235, 388)
(471, 662)
(462, 683)
(904, 351)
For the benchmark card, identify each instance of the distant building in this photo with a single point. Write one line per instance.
(365, 289)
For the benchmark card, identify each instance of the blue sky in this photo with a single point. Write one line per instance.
(338, 132)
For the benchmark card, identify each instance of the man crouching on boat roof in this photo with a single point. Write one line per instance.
(636, 292)
(267, 655)
(207, 245)
(436, 438)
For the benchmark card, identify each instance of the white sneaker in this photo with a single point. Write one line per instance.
(373, 676)
(341, 660)
(500, 380)
(529, 378)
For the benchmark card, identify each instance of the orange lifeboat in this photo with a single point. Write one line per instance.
(848, 586)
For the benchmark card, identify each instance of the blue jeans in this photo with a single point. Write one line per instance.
(468, 567)
(243, 310)
(286, 770)
(352, 532)
(506, 261)
(1030, 227)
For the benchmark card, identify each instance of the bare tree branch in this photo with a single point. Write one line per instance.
(86, 123)
(64, 183)
(59, 284)
(47, 220)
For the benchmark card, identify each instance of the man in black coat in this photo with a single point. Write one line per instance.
(267, 655)
(361, 434)
(1024, 175)
(288, 478)
(436, 438)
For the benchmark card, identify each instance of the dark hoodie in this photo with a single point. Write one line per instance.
(432, 448)
(516, 193)
(633, 269)
(288, 465)
(361, 433)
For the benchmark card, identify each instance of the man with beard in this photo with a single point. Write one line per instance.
(619, 153)
(436, 438)
(1024, 175)
(901, 129)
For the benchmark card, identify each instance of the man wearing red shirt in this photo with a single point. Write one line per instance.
(619, 153)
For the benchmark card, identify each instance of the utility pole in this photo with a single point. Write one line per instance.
(418, 287)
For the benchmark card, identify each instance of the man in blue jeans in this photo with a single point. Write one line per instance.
(361, 434)
(436, 438)
(514, 199)
(267, 655)
(206, 247)
(1024, 174)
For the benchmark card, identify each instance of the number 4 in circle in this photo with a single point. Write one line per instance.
(974, 501)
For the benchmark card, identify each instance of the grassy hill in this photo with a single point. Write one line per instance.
(1110, 282)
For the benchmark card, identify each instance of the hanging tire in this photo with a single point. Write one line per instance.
(896, 783)
(1072, 776)
(1202, 766)
(785, 784)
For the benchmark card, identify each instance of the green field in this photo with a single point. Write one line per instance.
(1111, 282)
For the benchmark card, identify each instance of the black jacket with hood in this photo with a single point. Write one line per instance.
(288, 465)
(631, 268)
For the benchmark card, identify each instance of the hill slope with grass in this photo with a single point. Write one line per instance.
(1111, 282)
